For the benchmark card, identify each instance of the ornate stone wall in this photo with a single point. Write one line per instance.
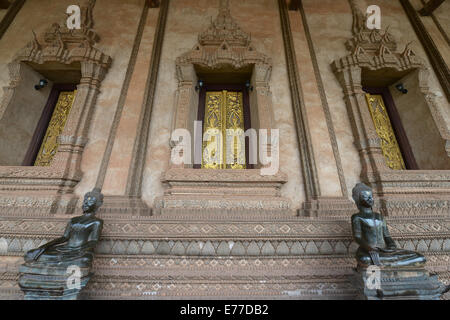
(238, 252)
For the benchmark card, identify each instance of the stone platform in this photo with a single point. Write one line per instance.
(407, 283)
(51, 283)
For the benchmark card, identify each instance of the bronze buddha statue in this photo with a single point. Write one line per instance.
(370, 231)
(76, 246)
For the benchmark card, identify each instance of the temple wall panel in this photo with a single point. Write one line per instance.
(186, 20)
(393, 15)
(402, 30)
(119, 163)
(116, 22)
(323, 152)
(330, 27)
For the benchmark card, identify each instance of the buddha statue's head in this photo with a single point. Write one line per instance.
(92, 201)
(362, 195)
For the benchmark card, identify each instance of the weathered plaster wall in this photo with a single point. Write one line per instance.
(330, 26)
(442, 14)
(116, 22)
(323, 152)
(119, 164)
(19, 121)
(443, 17)
(186, 20)
(426, 143)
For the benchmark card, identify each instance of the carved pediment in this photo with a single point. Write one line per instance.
(224, 29)
(368, 39)
(61, 44)
(223, 43)
(374, 48)
(85, 36)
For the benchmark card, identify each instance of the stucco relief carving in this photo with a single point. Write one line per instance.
(67, 50)
(377, 50)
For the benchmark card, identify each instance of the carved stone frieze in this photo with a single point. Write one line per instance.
(273, 228)
(164, 277)
(236, 248)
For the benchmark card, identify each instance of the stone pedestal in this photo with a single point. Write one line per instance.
(51, 283)
(222, 192)
(407, 283)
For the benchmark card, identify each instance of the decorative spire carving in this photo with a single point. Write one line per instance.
(224, 29)
(62, 44)
(374, 49)
(223, 43)
(370, 41)
(83, 37)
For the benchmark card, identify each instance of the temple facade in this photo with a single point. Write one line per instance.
(226, 137)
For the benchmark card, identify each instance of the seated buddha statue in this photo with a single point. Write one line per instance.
(370, 231)
(76, 246)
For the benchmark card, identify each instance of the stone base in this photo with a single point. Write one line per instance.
(408, 283)
(214, 192)
(49, 283)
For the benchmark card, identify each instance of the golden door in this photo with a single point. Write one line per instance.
(223, 131)
(50, 144)
(389, 145)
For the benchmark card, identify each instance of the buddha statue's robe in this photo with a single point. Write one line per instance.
(76, 247)
(370, 232)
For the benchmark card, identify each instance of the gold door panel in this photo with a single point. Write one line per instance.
(383, 126)
(223, 131)
(49, 145)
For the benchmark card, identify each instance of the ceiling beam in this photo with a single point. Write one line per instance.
(430, 6)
